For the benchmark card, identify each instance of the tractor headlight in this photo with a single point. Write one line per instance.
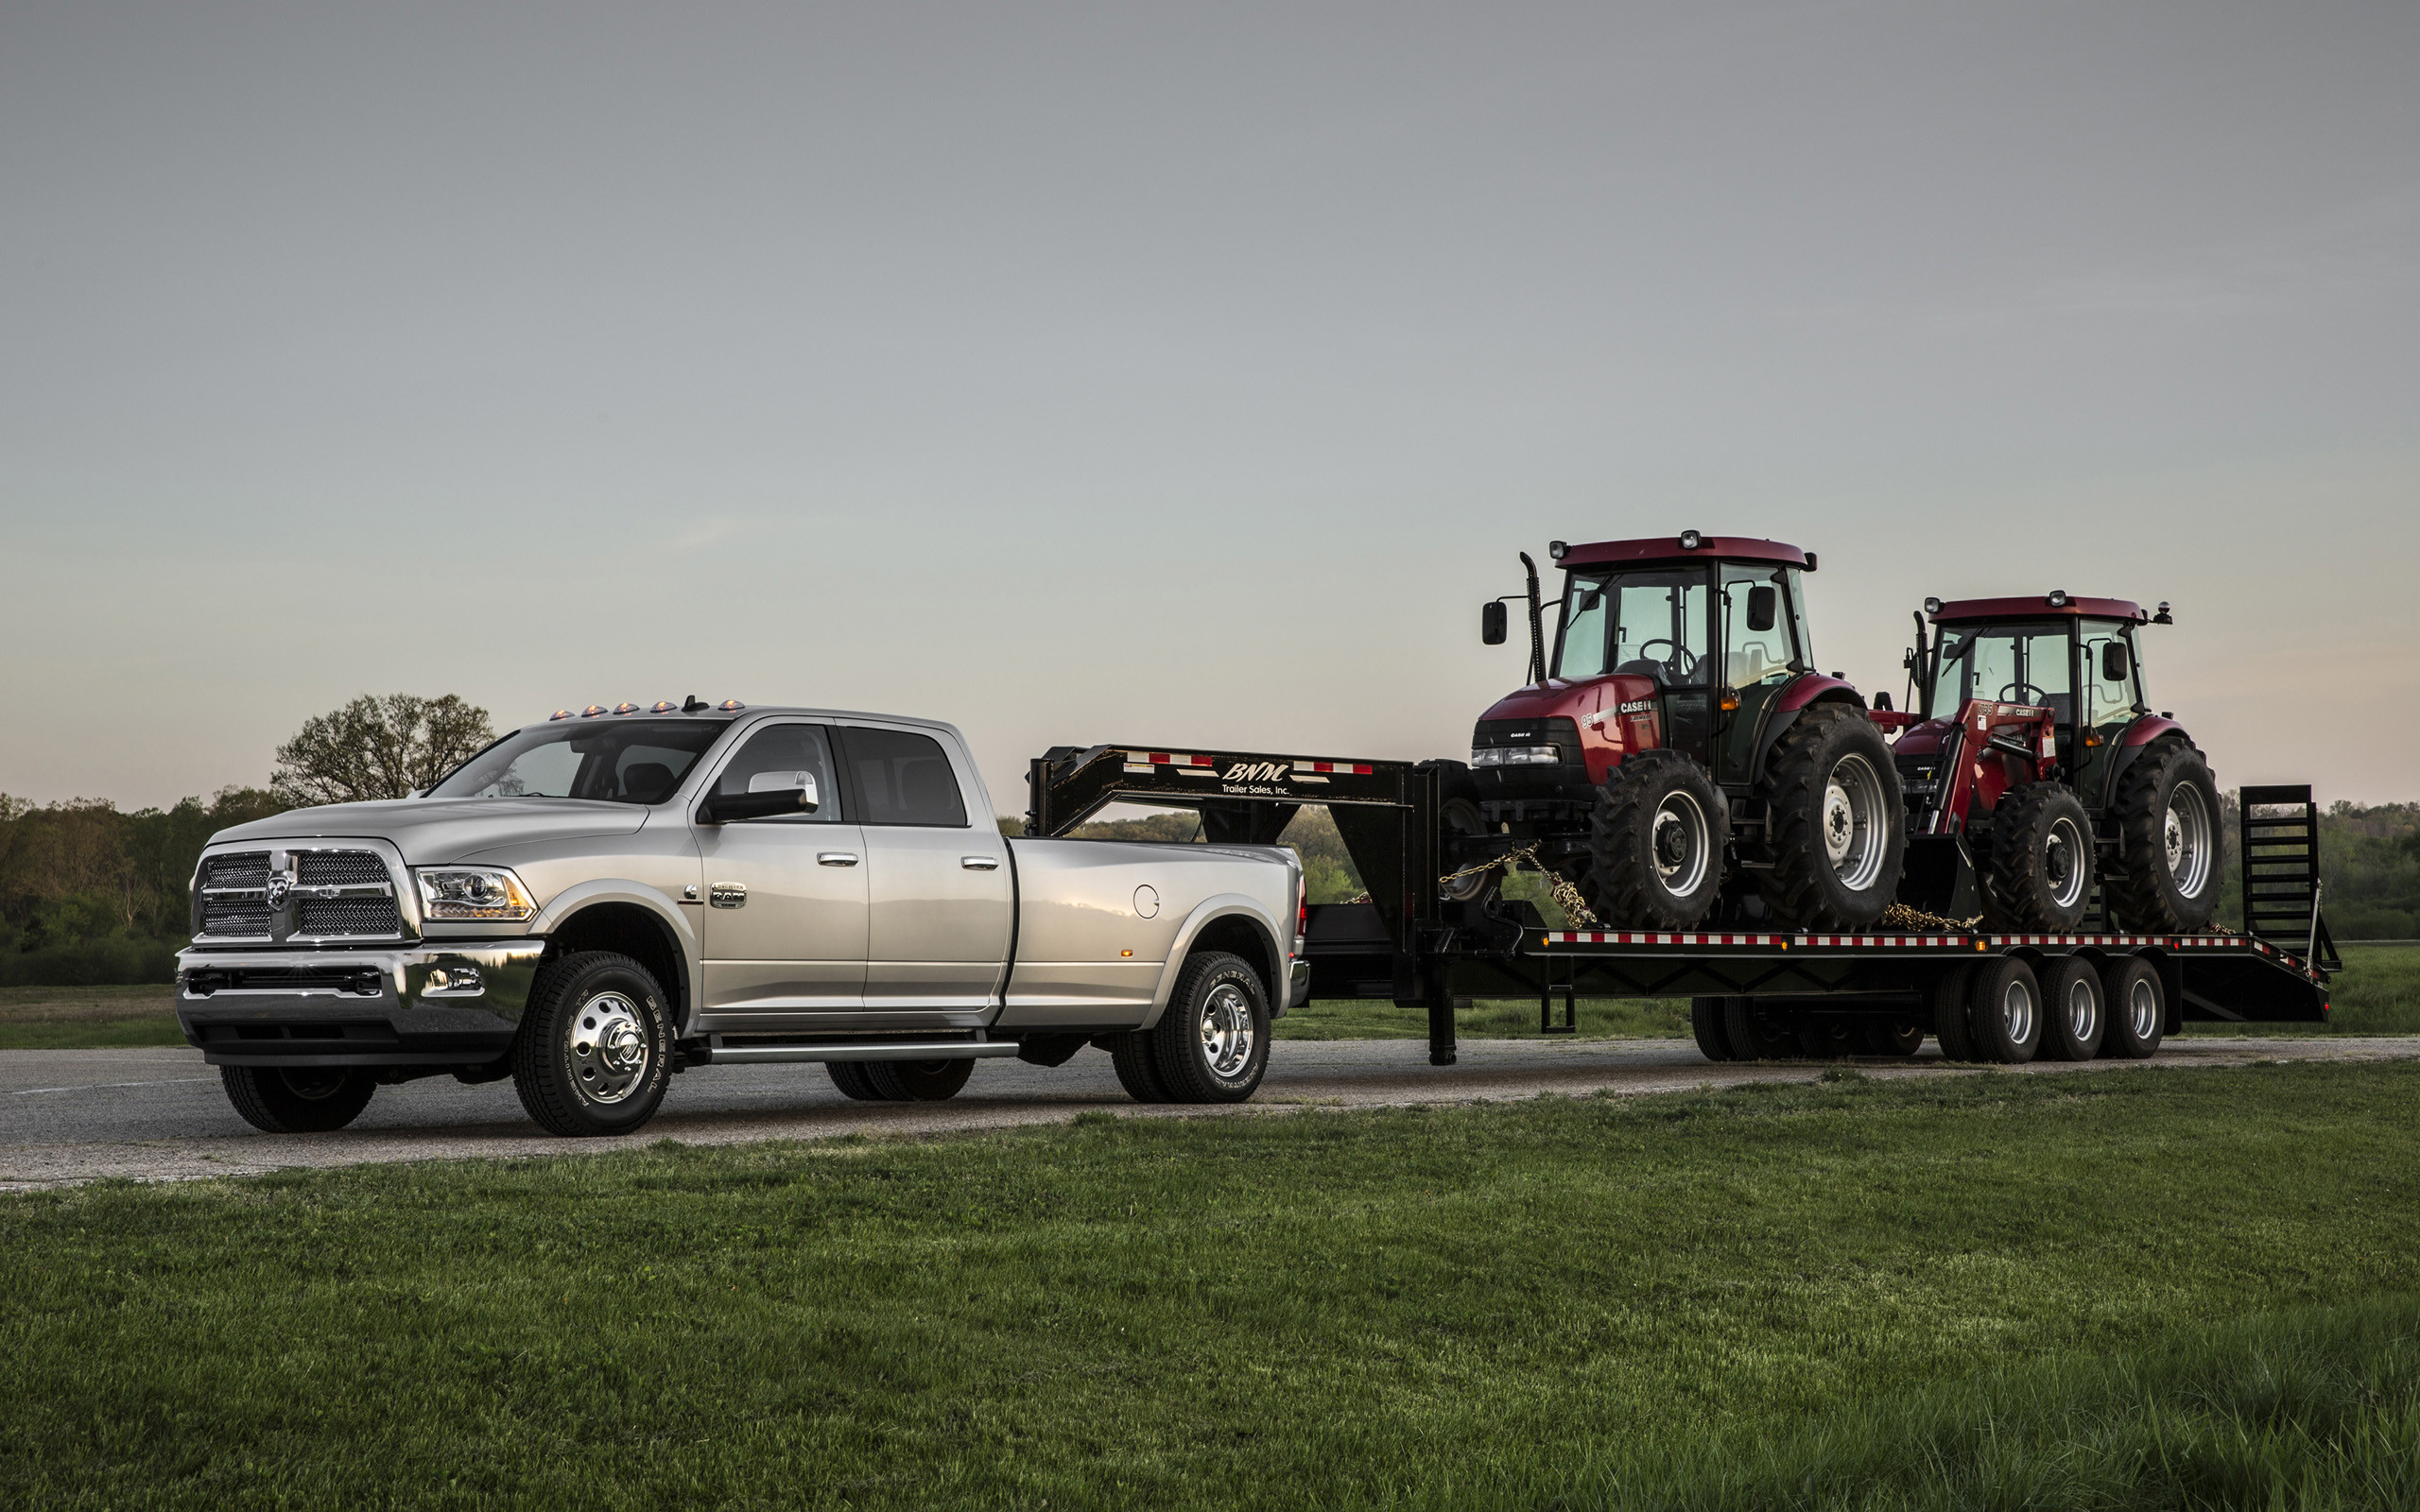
(473, 893)
(1516, 756)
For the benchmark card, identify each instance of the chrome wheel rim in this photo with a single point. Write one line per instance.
(2142, 1009)
(2186, 838)
(609, 1048)
(2066, 861)
(2084, 1011)
(1678, 842)
(1226, 1032)
(2016, 1012)
(1853, 824)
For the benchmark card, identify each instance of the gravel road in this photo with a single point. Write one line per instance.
(79, 1115)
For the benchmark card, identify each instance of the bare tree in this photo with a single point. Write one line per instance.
(378, 748)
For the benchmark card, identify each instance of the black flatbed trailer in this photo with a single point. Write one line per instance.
(1410, 945)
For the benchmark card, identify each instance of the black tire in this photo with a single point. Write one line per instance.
(1705, 1022)
(2004, 1012)
(2169, 847)
(594, 1053)
(1656, 843)
(850, 1076)
(1894, 1038)
(2075, 1010)
(1950, 1029)
(918, 1081)
(1459, 816)
(1828, 1037)
(2135, 1003)
(1138, 1069)
(1839, 825)
(1754, 1034)
(2039, 873)
(1212, 1044)
(303, 1100)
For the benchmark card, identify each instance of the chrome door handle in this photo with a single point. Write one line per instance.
(979, 863)
(836, 858)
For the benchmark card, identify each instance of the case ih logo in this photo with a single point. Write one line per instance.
(1639, 706)
(1256, 772)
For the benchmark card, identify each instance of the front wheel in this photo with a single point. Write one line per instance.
(307, 1100)
(1839, 833)
(1656, 843)
(593, 1052)
(2040, 873)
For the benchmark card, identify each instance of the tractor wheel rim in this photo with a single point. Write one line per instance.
(2142, 1009)
(1853, 823)
(2067, 862)
(2186, 833)
(1226, 1032)
(1677, 844)
(2016, 1012)
(2084, 1011)
(609, 1049)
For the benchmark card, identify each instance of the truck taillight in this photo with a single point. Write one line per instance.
(1302, 910)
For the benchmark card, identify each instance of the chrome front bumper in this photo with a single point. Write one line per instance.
(456, 1002)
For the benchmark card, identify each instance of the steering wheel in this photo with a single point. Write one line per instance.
(1680, 666)
(2021, 688)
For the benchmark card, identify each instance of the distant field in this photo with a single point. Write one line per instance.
(88, 1018)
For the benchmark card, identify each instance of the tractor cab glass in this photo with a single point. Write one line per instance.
(1650, 622)
(2113, 684)
(2003, 664)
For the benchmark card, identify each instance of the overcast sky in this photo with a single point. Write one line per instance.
(1177, 374)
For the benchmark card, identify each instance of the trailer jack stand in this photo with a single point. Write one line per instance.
(1570, 1023)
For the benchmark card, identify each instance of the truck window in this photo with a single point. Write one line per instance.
(903, 777)
(626, 761)
(781, 749)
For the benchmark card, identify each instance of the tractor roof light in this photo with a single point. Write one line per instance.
(1932, 606)
(2057, 599)
(1558, 549)
(1692, 540)
(2163, 617)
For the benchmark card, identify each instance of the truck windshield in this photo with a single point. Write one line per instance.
(628, 760)
(1651, 622)
(2003, 664)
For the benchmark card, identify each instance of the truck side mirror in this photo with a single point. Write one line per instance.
(1761, 604)
(768, 796)
(2113, 663)
(1491, 621)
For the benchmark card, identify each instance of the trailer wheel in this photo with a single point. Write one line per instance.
(1839, 825)
(1897, 1039)
(2167, 849)
(2004, 1012)
(594, 1054)
(1707, 1023)
(1212, 1044)
(2137, 1009)
(305, 1100)
(850, 1076)
(1656, 842)
(1950, 1026)
(2039, 875)
(2074, 1013)
(1752, 1033)
(918, 1081)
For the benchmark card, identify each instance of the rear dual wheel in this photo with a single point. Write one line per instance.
(1210, 1046)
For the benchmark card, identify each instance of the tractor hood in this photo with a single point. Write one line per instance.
(1557, 698)
(431, 832)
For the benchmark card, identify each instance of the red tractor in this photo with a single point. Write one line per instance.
(2034, 768)
(1676, 755)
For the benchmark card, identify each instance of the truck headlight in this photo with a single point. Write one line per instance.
(472, 892)
(1515, 756)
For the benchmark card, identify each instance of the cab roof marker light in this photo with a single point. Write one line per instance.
(559, 714)
(731, 706)
(626, 708)
(592, 711)
(663, 706)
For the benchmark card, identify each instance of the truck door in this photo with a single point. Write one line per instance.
(785, 920)
(938, 885)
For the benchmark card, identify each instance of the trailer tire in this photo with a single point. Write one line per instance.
(1751, 1038)
(305, 1100)
(2075, 1010)
(1656, 843)
(1950, 1026)
(918, 1081)
(1212, 1044)
(2169, 850)
(2039, 873)
(2004, 1012)
(1705, 1022)
(1839, 835)
(1894, 1038)
(594, 1053)
(850, 1076)
(2136, 1002)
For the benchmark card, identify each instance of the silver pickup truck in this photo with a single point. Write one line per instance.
(595, 902)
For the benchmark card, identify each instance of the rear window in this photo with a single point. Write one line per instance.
(903, 779)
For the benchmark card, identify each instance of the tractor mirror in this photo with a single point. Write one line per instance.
(1761, 602)
(2113, 661)
(1491, 621)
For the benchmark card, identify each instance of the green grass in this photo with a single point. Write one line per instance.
(2378, 993)
(1487, 1019)
(1957, 1286)
(86, 1017)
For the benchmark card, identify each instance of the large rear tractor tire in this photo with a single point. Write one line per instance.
(305, 1100)
(2167, 880)
(2004, 1012)
(1839, 825)
(2075, 1010)
(2039, 874)
(1657, 842)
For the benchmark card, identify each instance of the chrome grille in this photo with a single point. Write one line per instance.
(241, 868)
(322, 894)
(234, 903)
(356, 917)
(234, 917)
(337, 868)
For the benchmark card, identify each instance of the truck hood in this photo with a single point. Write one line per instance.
(431, 832)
